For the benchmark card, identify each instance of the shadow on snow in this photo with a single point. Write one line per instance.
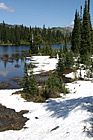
(63, 108)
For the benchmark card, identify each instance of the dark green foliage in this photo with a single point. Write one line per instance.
(60, 51)
(69, 61)
(38, 40)
(65, 48)
(86, 35)
(25, 79)
(22, 35)
(82, 35)
(30, 86)
(35, 43)
(51, 51)
(61, 65)
(17, 36)
(76, 34)
(34, 49)
(65, 61)
(92, 43)
(47, 50)
(43, 49)
(54, 86)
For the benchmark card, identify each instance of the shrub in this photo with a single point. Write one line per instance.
(54, 86)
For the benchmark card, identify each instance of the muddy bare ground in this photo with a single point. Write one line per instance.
(5, 85)
(11, 120)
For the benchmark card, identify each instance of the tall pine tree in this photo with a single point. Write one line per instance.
(86, 35)
(76, 34)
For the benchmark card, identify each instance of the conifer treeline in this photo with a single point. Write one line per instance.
(82, 35)
(22, 35)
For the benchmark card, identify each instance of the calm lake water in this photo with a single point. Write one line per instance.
(12, 63)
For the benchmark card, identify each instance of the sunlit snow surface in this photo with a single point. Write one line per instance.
(72, 114)
(43, 63)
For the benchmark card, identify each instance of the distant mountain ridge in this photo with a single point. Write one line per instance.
(62, 29)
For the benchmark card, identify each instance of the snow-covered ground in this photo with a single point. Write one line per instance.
(66, 118)
(84, 74)
(42, 63)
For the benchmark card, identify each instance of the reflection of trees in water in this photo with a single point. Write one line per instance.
(13, 58)
(5, 63)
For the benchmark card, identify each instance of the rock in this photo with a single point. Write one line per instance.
(36, 118)
(11, 120)
(55, 128)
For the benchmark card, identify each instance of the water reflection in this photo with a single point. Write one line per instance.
(12, 50)
(4, 72)
(11, 59)
(11, 63)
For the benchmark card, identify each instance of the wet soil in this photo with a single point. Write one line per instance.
(11, 120)
(5, 85)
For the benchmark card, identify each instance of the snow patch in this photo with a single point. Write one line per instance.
(72, 115)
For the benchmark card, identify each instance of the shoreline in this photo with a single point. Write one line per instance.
(6, 44)
(14, 45)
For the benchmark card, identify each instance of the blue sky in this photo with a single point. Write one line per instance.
(52, 13)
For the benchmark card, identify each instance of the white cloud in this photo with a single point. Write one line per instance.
(4, 7)
(70, 24)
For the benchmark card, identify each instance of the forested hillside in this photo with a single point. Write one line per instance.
(22, 35)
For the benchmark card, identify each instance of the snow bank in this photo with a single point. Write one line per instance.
(77, 73)
(42, 63)
(66, 118)
(83, 75)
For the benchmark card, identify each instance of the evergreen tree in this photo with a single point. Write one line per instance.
(43, 49)
(65, 47)
(76, 34)
(54, 85)
(30, 86)
(60, 51)
(47, 49)
(69, 61)
(88, 6)
(25, 79)
(61, 65)
(4, 33)
(44, 33)
(33, 84)
(49, 35)
(86, 35)
(17, 36)
(51, 51)
(90, 22)
(92, 43)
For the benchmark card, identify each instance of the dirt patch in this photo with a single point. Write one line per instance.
(11, 120)
(5, 85)
(46, 73)
(67, 71)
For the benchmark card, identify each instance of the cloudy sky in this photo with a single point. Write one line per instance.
(58, 13)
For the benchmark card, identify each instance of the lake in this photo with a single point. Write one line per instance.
(12, 63)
